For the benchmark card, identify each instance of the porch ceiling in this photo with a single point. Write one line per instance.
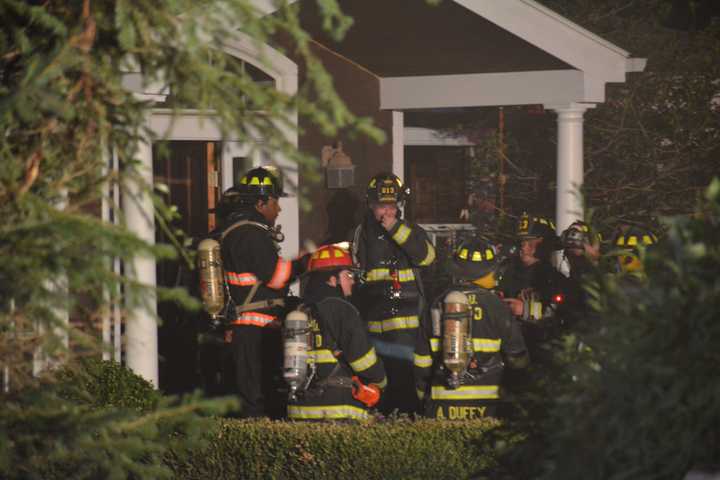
(403, 38)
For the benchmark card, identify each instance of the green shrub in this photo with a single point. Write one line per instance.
(392, 449)
(103, 383)
(44, 436)
(639, 400)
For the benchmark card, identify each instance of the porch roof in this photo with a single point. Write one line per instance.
(405, 38)
(473, 53)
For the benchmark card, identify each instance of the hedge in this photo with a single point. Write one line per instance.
(103, 383)
(412, 449)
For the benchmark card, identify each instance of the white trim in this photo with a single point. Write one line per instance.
(486, 90)
(266, 6)
(283, 70)
(141, 326)
(200, 126)
(556, 35)
(420, 136)
(398, 145)
(636, 64)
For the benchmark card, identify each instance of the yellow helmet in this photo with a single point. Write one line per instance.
(629, 242)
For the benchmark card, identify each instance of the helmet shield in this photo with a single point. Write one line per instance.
(577, 235)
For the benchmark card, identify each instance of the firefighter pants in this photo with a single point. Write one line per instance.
(257, 352)
(397, 356)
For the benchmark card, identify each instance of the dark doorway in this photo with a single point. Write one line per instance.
(189, 171)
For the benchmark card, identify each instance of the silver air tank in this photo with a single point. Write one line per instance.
(456, 331)
(296, 337)
(211, 276)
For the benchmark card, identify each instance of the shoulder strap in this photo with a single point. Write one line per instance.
(356, 246)
(246, 305)
(240, 224)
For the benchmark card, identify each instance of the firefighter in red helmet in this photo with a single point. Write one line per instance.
(344, 376)
(390, 252)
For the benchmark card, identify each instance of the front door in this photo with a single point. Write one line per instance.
(189, 170)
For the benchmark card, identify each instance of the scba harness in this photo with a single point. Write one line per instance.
(214, 288)
(453, 325)
(305, 346)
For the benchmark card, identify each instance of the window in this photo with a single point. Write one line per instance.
(437, 180)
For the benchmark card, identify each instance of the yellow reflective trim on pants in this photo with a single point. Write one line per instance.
(383, 383)
(489, 345)
(422, 361)
(435, 344)
(430, 257)
(466, 392)
(364, 362)
(395, 323)
(326, 412)
(420, 394)
(322, 356)
(401, 235)
(383, 275)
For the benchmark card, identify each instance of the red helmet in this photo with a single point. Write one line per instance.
(330, 257)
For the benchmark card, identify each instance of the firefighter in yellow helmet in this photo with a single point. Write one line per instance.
(630, 246)
(257, 278)
(390, 252)
(344, 376)
(461, 354)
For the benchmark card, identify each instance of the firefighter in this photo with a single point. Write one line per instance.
(530, 284)
(390, 251)
(581, 249)
(258, 280)
(471, 335)
(345, 375)
(630, 245)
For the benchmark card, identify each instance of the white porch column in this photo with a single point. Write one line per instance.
(398, 144)
(141, 325)
(569, 202)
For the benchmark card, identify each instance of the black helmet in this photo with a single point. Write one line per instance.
(474, 259)
(386, 188)
(261, 182)
(256, 184)
(535, 227)
(577, 235)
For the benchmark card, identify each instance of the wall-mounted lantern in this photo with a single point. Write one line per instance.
(339, 170)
